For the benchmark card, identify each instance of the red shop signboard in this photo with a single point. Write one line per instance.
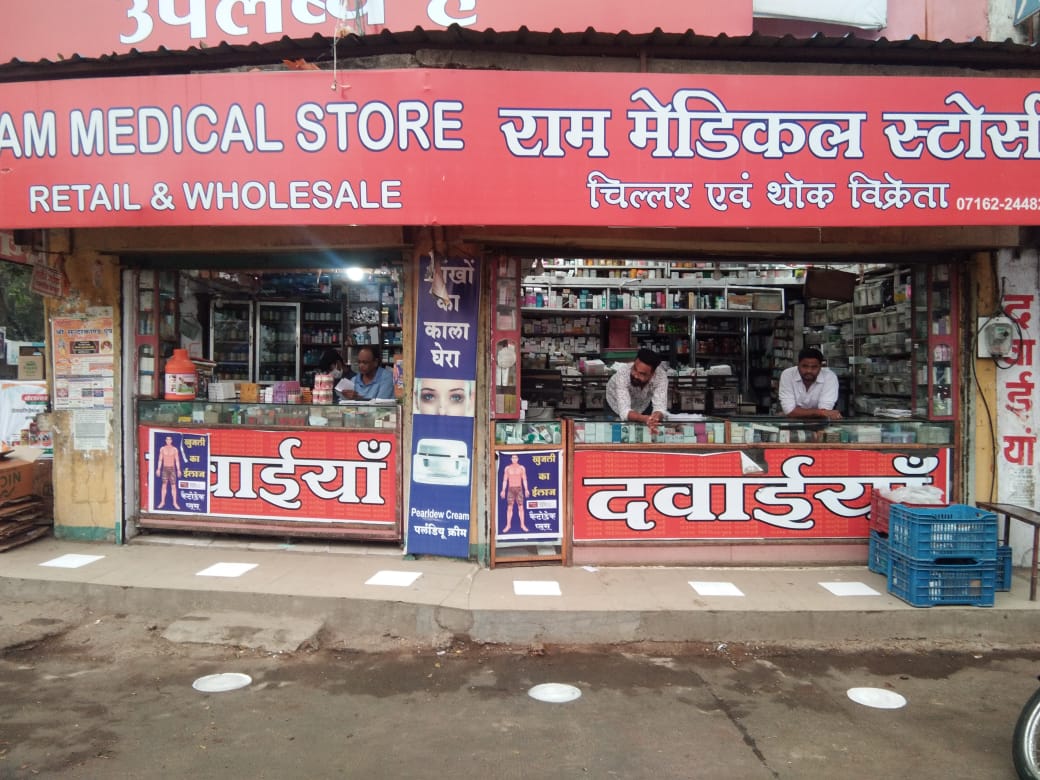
(315, 477)
(749, 494)
(591, 149)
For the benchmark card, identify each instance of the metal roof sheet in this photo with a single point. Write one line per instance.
(821, 49)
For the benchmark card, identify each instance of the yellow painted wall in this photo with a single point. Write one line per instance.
(87, 503)
(982, 388)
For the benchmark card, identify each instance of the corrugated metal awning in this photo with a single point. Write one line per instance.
(818, 49)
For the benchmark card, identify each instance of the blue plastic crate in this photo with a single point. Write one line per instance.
(877, 557)
(1004, 568)
(948, 581)
(955, 531)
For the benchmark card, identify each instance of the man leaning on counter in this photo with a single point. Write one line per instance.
(639, 392)
(809, 390)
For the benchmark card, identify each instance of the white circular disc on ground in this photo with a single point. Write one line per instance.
(554, 693)
(219, 683)
(878, 698)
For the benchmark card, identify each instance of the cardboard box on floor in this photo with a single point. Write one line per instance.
(17, 478)
(24, 473)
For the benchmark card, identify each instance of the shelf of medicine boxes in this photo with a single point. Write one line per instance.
(830, 328)
(550, 294)
(208, 413)
(787, 341)
(935, 342)
(321, 329)
(578, 336)
(882, 376)
(771, 274)
(367, 309)
(667, 335)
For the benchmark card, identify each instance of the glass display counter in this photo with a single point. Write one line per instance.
(870, 430)
(201, 412)
(705, 430)
(277, 469)
(529, 432)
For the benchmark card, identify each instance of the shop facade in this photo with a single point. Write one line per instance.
(476, 205)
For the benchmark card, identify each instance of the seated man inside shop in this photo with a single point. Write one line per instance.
(639, 392)
(372, 381)
(809, 389)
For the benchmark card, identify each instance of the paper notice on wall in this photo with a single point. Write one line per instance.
(84, 362)
(90, 429)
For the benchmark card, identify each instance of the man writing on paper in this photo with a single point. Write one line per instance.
(808, 389)
(639, 392)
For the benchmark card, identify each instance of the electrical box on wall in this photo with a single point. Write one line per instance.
(995, 336)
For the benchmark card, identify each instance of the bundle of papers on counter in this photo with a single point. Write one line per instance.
(896, 414)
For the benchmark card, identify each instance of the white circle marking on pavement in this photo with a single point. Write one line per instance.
(878, 698)
(221, 683)
(554, 693)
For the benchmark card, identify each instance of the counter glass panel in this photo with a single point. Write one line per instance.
(707, 430)
(200, 412)
(869, 430)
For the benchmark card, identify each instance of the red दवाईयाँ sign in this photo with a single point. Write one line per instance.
(740, 494)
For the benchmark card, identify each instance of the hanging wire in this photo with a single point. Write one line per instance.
(348, 9)
(981, 395)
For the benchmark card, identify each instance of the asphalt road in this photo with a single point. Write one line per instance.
(105, 696)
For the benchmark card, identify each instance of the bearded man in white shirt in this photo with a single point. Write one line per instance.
(639, 392)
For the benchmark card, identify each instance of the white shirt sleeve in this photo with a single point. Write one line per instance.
(786, 389)
(618, 397)
(829, 390)
(660, 390)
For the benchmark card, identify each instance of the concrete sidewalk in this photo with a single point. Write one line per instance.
(364, 596)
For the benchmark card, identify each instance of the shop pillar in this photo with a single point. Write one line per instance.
(86, 481)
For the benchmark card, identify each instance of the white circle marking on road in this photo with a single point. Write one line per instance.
(221, 683)
(878, 698)
(554, 693)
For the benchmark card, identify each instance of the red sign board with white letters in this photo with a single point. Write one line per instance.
(302, 476)
(449, 147)
(782, 494)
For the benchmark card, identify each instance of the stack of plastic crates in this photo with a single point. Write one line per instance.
(877, 521)
(942, 555)
(1003, 567)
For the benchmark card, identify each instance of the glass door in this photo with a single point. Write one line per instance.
(278, 342)
(919, 301)
(231, 340)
